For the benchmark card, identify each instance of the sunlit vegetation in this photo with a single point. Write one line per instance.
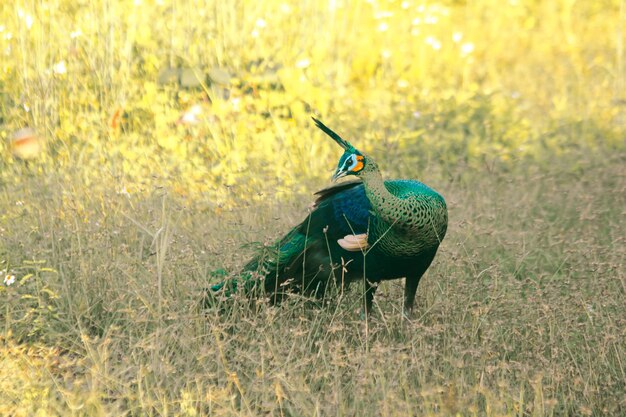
(147, 143)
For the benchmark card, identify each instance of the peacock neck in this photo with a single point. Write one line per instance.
(382, 200)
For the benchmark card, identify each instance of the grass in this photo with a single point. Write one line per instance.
(521, 314)
(514, 112)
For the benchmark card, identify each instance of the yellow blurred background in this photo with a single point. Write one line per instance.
(198, 95)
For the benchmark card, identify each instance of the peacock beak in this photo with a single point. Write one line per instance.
(338, 174)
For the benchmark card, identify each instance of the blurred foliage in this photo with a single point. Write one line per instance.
(442, 81)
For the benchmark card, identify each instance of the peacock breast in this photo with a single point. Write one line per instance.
(416, 222)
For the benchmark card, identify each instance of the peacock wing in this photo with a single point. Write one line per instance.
(340, 210)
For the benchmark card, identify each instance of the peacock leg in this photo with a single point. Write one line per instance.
(411, 282)
(410, 288)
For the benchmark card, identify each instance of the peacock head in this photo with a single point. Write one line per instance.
(351, 162)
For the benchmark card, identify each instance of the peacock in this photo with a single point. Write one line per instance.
(367, 229)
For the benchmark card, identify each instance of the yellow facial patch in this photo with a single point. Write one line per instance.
(359, 164)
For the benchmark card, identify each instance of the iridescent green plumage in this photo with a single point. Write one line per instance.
(369, 230)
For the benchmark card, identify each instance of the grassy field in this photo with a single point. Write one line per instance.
(110, 227)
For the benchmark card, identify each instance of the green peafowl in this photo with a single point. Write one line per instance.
(368, 229)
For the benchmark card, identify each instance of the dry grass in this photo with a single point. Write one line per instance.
(521, 314)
